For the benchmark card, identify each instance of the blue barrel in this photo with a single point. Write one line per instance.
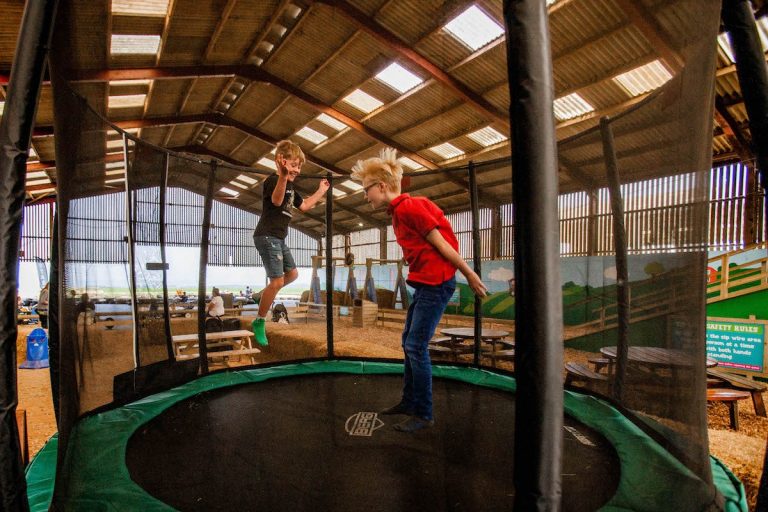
(37, 349)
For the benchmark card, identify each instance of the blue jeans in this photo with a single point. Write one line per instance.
(275, 255)
(424, 314)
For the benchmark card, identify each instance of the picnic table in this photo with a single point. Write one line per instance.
(455, 339)
(239, 343)
(657, 357)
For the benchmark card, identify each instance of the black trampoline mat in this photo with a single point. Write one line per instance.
(315, 442)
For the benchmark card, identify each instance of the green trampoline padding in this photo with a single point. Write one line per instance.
(651, 479)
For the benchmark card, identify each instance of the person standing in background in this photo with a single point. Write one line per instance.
(42, 307)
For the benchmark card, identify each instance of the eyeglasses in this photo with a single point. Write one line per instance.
(366, 189)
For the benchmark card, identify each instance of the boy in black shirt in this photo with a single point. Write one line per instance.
(278, 201)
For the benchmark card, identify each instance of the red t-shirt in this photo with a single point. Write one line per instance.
(412, 219)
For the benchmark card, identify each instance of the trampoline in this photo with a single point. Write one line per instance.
(305, 436)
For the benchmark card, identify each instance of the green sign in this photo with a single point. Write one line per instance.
(737, 344)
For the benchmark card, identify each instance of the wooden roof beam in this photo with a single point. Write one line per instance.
(650, 28)
(731, 129)
(249, 72)
(385, 37)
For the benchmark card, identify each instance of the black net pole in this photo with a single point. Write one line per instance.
(329, 266)
(201, 287)
(739, 22)
(130, 209)
(620, 251)
(476, 251)
(163, 260)
(15, 135)
(538, 306)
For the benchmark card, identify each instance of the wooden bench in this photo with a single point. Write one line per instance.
(600, 363)
(731, 398)
(755, 388)
(502, 354)
(184, 345)
(581, 372)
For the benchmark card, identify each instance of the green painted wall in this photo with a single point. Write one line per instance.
(742, 307)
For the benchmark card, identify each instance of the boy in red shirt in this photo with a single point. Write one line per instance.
(430, 248)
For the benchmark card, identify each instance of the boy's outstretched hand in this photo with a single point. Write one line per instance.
(477, 285)
(323, 186)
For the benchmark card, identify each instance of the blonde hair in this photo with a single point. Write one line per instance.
(289, 150)
(384, 168)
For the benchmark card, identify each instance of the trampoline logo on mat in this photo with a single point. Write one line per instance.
(363, 424)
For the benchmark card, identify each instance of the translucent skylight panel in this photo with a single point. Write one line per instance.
(410, 163)
(571, 106)
(116, 180)
(362, 101)
(352, 185)
(338, 193)
(487, 136)
(399, 78)
(247, 179)
(311, 135)
(229, 191)
(2, 106)
(115, 172)
(140, 81)
(43, 191)
(38, 182)
(330, 121)
(645, 78)
(32, 153)
(127, 101)
(446, 150)
(133, 44)
(116, 143)
(114, 165)
(238, 184)
(36, 175)
(474, 28)
(140, 7)
(725, 45)
(268, 163)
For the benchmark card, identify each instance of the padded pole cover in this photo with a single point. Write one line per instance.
(538, 308)
(15, 135)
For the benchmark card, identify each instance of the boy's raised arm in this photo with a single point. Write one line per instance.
(312, 200)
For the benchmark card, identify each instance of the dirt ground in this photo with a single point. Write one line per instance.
(743, 451)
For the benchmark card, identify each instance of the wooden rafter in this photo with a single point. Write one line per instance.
(647, 24)
(732, 130)
(225, 14)
(479, 103)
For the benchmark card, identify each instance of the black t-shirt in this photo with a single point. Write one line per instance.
(275, 219)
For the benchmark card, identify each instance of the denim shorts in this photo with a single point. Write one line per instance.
(275, 255)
